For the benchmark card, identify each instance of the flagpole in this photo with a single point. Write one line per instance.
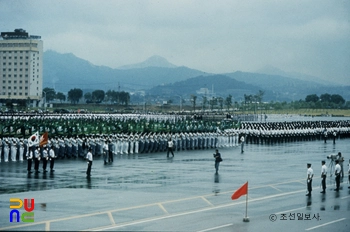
(246, 218)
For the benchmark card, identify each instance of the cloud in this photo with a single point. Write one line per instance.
(213, 36)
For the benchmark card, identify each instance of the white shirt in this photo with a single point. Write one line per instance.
(310, 173)
(52, 153)
(89, 156)
(36, 153)
(105, 147)
(45, 155)
(30, 155)
(324, 170)
(337, 169)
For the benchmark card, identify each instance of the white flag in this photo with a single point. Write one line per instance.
(34, 139)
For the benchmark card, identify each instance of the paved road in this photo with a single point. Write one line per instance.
(150, 192)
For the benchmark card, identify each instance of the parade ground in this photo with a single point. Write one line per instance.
(150, 192)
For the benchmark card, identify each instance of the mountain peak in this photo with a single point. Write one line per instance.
(153, 61)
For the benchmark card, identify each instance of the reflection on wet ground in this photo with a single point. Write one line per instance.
(168, 186)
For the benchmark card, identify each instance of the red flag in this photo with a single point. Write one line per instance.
(240, 192)
(44, 139)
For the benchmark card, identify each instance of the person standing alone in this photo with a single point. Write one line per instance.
(170, 147)
(310, 175)
(218, 159)
(242, 143)
(323, 176)
(89, 162)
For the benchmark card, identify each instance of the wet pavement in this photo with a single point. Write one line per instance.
(149, 192)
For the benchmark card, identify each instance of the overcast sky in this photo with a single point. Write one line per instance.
(304, 36)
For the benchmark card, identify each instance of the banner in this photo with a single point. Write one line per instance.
(44, 139)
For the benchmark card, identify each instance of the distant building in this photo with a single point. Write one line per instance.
(21, 66)
(203, 91)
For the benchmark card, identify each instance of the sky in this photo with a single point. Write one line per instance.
(215, 36)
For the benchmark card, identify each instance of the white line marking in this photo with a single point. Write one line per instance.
(47, 226)
(111, 218)
(162, 208)
(275, 188)
(206, 200)
(345, 197)
(214, 228)
(315, 227)
(146, 220)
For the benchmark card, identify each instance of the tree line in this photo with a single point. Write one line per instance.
(254, 102)
(251, 101)
(96, 96)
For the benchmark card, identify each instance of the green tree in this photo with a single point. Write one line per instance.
(205, 102)
(221, 102)
(228, 101)
(325, 97)
(248, 98)
(312, 98)
(88, 97)
(110, 95)
(60, 96)
(193, 100)
(337, 99)
(212, 102)
(49, 93)
(124, 97)
(98, 96)
(74, 95)
(259, 96)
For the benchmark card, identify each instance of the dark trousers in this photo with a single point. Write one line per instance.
(36, 164)
(170, 149)
(217, 166)
(110, 156)
(29, 166)
(44, 164)
(52, 163)
(309, 185)
(105, 154)
(324, 182)
(337, 181)
(88, 171)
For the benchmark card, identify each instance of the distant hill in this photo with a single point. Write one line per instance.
(154, 61)
(270, 70)
(216, 85)
(287, 88)
(66, 71)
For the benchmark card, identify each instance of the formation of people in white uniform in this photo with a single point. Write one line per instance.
(14, 149)
(187, 133)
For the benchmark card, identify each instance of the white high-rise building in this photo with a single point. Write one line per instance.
(21, 67)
